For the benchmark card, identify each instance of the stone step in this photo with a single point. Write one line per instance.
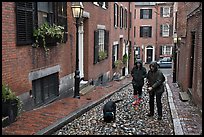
(184, 96)
(86, 89)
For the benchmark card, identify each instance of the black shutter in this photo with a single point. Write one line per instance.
(161, 30)
(141, 13)
(170, 30)
(24, 22)
(150, 32)
(96, 47)
(106, 41)
(161, 12)
(114, 14)
(117, 51)
(118, 15)
(113, 56)
(141, 31)
(150, 13)
(106, 5)
(160, 50)
(171, 11)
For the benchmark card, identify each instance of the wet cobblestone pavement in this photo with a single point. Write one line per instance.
(128, 120)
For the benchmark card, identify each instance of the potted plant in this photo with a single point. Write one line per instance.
(46, 35)
(102, 55)
(125, 59)
(11, 104)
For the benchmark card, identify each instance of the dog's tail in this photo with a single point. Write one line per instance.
(118, 100)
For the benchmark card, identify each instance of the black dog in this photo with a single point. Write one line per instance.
(109, 111)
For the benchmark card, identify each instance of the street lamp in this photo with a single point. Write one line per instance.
(174, 59)
(77, 10)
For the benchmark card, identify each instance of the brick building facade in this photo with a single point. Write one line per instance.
(38, 78)
(189, 29)
(153, 30)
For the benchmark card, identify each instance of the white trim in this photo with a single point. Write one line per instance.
(121, 36)
(96, 3)
(168, 15)
(101, 27)
(115, 42)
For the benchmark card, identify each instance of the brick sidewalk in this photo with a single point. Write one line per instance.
(188, 114)
(31, 122)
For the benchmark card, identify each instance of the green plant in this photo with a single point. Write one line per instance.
(118, 64)
(9, 96)
(45, 30)
(102, 55)
(125, 58)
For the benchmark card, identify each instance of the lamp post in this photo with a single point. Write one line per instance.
(174, 59)
(77, 10)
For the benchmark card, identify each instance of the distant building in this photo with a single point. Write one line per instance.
(153, 30)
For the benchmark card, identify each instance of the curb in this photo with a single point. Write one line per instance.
(175, 119)
(61, 122)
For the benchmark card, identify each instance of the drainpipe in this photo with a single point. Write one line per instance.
(129, 38)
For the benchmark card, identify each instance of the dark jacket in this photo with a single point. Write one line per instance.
(138, 74)
(156, 78)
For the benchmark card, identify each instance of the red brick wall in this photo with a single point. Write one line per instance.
(116, 32)
(193, 23)
(18, 61)
(98, 16)
(163, 40)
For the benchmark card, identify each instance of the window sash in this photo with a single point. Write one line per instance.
(166, 11)
(166, 50)
(165, 30)
(101, 40)
(115, 15)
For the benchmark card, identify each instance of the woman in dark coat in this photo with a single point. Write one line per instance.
(155, 79)
(138, 73)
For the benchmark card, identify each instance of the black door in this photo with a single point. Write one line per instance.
(149, 55)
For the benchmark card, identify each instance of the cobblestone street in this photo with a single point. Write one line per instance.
(128, 120)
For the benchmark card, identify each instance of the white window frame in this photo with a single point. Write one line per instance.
(101, 39)
(165, 30)
(116, 14)
(96, 3)
(115, 52)
(166, 12)
(121, 17)
(166, 50)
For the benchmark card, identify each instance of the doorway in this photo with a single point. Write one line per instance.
(149, 54)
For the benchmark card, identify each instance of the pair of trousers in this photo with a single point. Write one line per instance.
(137, 90)
(158, 102)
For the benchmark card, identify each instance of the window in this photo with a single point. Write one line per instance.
(45, 89)
(134, 31)
(29, 15)
(116, 11)
(165, 30)
(115, 54)
(145, 13)
(125, 18)
(165, 11)
(135, 14)
(101, 41)
(146, 31)
(121, 17)
(166, 50)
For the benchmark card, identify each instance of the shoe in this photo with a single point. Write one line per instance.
(150, 115)
(159, 118)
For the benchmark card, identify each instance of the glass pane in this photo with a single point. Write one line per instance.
(43, 6)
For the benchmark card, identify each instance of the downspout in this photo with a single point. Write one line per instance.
(129, 38)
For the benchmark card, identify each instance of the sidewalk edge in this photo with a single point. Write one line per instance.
(175, 119)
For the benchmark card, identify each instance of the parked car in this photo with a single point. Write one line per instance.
(165, 62)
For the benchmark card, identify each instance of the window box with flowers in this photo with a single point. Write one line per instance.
(102, 55)
(48, 35)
